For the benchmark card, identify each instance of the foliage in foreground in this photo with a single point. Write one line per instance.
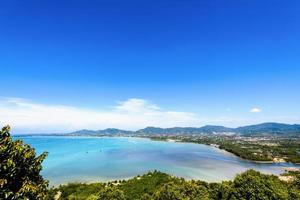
(20, 170)
(250, 185)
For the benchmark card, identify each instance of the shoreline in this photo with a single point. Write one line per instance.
(217, 147)
(153, 139)
(97, 179)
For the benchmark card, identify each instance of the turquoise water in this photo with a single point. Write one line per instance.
(88, 159)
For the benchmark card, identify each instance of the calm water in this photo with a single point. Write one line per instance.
(101, 159)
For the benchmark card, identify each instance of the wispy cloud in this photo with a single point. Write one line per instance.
(255, 110)
(26, 116)
(131, 114)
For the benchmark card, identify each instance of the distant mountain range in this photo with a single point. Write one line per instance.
(258, 129)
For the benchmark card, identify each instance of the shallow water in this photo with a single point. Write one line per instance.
(87, 159)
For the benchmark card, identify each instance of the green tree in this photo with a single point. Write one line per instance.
(169, 191)
(111, 193)
(294, 194)
(145, 196)
(254, 185)
(182, 191)
(20, 169)
(296, 182)
(294, 191)
(195, 191)
(222, 190)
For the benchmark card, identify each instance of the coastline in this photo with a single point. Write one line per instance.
(153, 139)
(197, 175)
(218, 147)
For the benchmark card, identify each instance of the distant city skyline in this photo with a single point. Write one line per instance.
(70, 65)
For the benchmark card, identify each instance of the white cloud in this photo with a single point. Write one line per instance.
(136, 105)
(255, 110)
(27, 116)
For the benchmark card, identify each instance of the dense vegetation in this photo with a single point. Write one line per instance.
(256, 148)
(160, 186)
(20, 170)
(259, 148)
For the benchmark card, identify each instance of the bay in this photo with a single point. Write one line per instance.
(91, 159)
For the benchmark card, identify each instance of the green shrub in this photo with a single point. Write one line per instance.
(111, 193)
(20, 170)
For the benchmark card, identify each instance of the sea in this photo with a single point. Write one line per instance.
(93, 159)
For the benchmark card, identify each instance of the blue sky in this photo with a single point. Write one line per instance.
(216, 60)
